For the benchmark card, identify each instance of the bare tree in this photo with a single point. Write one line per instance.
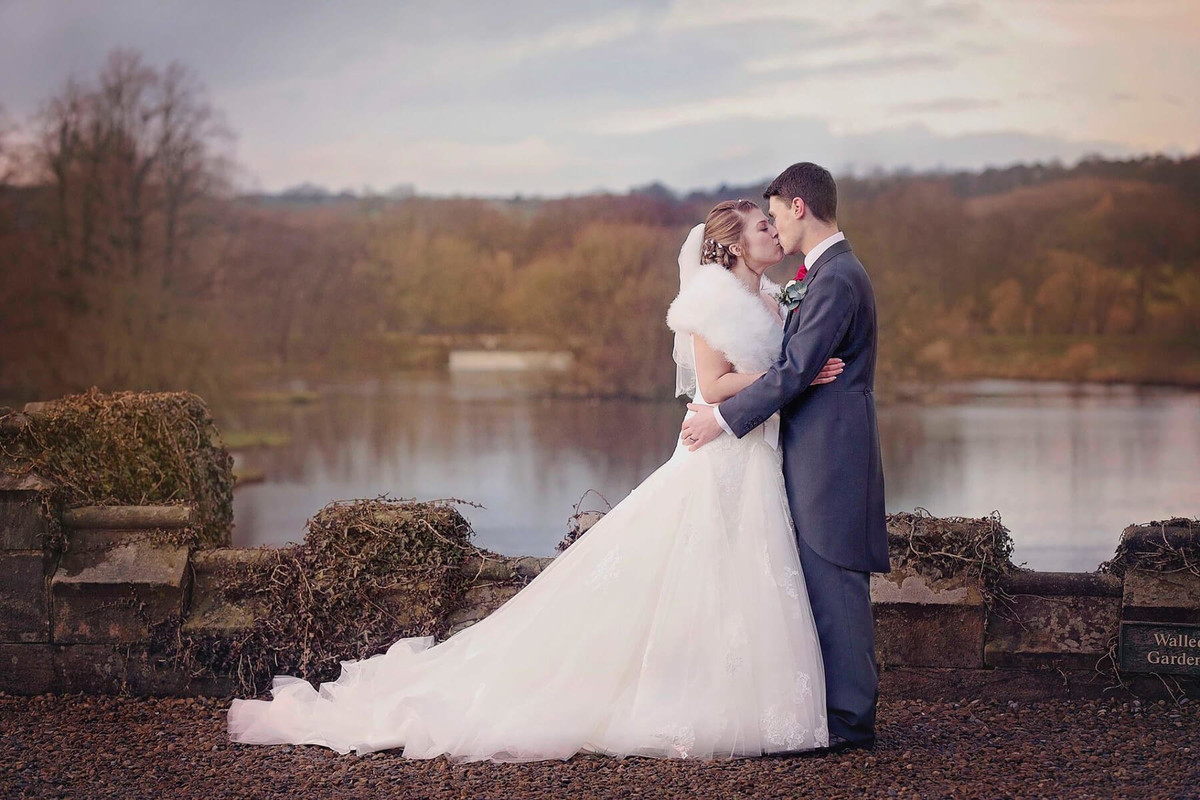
(8, 165)
(190, 164)
(129, 157)
(134, 166)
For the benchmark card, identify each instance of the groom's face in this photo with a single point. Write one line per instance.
(788, 223)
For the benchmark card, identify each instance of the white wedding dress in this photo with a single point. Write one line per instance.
(677, 627)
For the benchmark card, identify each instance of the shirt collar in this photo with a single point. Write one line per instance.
(811, 256)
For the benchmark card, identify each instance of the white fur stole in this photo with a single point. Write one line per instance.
(718, 307)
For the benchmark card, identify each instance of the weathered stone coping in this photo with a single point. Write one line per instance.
(1053, 620)
(83, 621)
(1093, 584)
(495, 567)
(22, 481)
(903, 587)
(128, 517)
(1142, 538)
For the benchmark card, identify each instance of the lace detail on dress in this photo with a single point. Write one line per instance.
(737, 642)
(768, 567)
(803, 688)
(790, 585)
(606, 570)
(679, 739)
(729, 456)
(731, 466)
(781, 729)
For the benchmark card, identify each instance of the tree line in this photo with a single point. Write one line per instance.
(130, 262)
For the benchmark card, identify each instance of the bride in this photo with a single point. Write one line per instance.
(678, 626)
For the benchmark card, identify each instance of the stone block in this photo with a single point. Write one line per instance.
(23, 525)
(27, 668)
(128, 517)
(927, 623)
(1067, 632)
(104, 669)
(479, 601)
(458, 626)
(210, 611)
(909, 587)
(489, 596)
(24, 603)
(529, 567)
(81, 540)
(1054, 620)
(13, 478)
(494, 567)
(938, 635)
(1161, 597)
(115, 594)
(210, 686)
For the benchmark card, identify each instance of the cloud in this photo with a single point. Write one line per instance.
(806, 65)
(752, 106)
(686, 15)
(945, 105)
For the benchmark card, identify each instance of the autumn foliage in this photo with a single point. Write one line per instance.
(130, 263)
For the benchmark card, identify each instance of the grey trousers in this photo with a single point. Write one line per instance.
(841, 606)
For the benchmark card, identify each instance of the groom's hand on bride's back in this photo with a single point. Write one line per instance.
(702, 428)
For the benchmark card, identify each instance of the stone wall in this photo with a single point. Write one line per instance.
(84, 619)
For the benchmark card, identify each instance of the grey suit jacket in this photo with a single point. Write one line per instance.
(830, 438)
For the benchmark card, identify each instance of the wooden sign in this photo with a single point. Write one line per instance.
(1160, 647)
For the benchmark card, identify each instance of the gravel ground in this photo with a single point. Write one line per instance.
(101, 747)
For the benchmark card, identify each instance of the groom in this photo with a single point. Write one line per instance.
(830, 442)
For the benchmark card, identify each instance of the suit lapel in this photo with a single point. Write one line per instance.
(834, 250)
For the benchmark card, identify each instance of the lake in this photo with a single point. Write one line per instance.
(1067, 466)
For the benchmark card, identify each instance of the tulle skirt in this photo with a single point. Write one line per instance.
(677, 627)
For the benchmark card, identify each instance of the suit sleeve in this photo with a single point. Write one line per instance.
(824, 317)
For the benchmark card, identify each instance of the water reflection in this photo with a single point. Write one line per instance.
(1067, 467)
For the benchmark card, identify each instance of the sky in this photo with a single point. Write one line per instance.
(553, 97)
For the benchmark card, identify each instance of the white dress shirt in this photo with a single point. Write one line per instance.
(810, 258)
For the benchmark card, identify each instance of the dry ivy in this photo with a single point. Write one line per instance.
(1176, 548)
(369, 572)
(575, 522)
(127, 448)
(941, 547)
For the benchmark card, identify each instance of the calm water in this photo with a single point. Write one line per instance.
(1067, 467)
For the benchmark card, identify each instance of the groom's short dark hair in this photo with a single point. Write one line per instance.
(812, 183)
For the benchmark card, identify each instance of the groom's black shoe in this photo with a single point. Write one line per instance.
(837, 744)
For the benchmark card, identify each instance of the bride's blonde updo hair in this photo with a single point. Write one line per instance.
(722, 230)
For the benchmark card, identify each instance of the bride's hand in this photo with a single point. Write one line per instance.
(828, 374)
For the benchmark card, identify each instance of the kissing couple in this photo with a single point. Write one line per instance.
(722, 609)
